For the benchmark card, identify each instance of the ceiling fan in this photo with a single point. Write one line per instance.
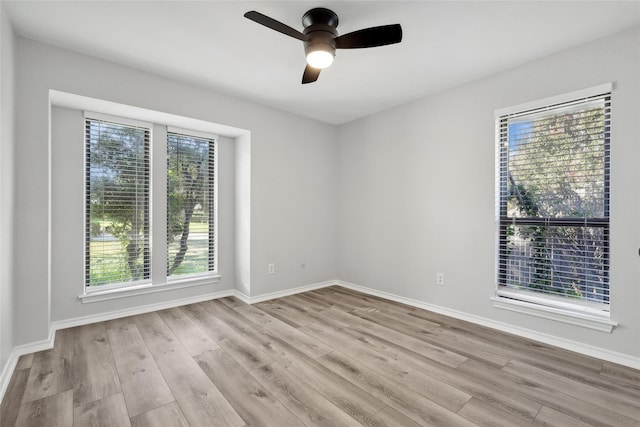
(321, 38)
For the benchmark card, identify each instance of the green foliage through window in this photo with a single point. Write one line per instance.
(554, 200)
(117, 203)
(190, 202)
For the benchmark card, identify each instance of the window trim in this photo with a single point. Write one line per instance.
(158, 281)
(572, 317)
(214, 273)
(90, 115)
(566, 312)
(553, 100)
(145, 289)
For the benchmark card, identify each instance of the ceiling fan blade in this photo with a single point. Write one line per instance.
(310, 74)
(274, 25)
(370, 37)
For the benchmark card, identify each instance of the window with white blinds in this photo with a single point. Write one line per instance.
(120, 182)
(117, 186)
(190, 204)
(553, 204)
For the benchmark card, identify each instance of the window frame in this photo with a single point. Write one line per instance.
(530, 302)
(88, 289)
(213, 243)
(158, 248)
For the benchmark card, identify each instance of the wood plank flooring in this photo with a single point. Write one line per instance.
(330, 357)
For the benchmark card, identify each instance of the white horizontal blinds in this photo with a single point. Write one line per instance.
(190, 204)
(116, 202)
(554, 201)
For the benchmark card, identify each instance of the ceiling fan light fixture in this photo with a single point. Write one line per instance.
(320, 58)
(320, 37)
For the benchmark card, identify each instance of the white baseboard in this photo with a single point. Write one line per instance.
(578, 347)
(18, 351)
(279, 294)
(7, 372)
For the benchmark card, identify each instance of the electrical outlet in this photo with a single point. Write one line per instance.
(271, 268)
(440, 279)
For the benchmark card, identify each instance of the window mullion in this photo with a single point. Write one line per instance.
(159, 205)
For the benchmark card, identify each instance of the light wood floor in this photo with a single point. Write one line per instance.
(330, 357)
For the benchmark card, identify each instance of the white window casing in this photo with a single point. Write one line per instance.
(552, 207)
(139, 186)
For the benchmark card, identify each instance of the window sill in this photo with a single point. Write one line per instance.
(146, 289)
(574, 318)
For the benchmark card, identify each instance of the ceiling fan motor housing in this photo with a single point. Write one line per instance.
(320, 37)
(320, 28)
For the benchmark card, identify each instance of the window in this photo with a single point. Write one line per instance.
(117, 203)
(190, 204)
(124, 230)
(553, 204)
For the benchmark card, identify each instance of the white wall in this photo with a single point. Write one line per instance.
(243, 213)
(292, 172)
(7, 140)
(417, 190)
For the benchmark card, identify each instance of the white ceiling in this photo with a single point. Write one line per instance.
(211, 44)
